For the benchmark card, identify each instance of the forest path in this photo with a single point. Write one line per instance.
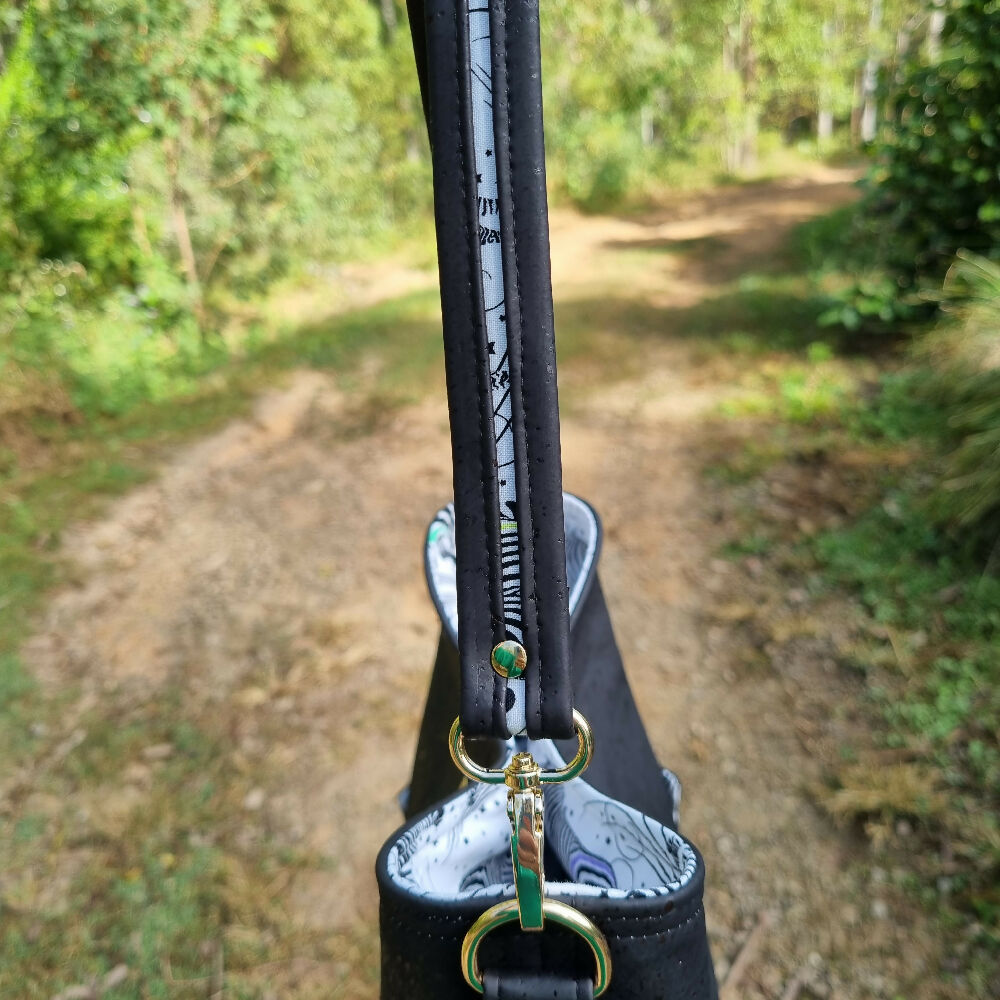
(272, 575)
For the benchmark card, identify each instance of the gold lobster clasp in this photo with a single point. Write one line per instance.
(524, 778)
(525, 808)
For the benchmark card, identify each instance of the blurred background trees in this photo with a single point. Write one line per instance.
(162, 162)
(183, 146)
(160, 156)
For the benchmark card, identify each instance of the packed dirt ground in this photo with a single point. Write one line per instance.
(272, 573)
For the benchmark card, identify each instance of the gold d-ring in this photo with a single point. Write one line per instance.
(492, 776)
(560, 913)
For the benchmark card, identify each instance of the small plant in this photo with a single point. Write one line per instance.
(966, 389)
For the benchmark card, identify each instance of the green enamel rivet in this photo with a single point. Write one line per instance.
(509, 658)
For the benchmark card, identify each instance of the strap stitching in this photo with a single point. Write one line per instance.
(405, 922)
(471, 298)
(529, 495)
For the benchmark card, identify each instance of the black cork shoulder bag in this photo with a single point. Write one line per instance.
(541, 856)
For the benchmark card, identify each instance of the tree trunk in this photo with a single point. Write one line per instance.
(646, 125)
(935, 26)
(856, 108)
(141, 229)
(869, 108)
(387, 8)
(182, 232)
(824, 116)
(902, 48)
(748, 76)
(824, 125)
(413, 113)
(739, 60)
(730, 150)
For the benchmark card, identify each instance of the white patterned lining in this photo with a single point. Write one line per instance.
(462, 849)
(582, 538)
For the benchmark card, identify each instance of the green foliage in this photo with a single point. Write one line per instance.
(130, 346)
(607, 66)
(862, 295)
(634, 90)
(914, 581)
(159, 159)
(173, 123)
(965, 390)
(61, 184)
(916, 541)
(935, 188)
(948, 398)
(897, 412)
(939, 179)
(162, 161)
(923, 561)
(807, 392)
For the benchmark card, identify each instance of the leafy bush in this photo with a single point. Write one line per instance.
(935, 188)
(939, 181)
(966, 389)
(917, 561)
(61, 181)
(843, 252)
(65, 350)
(156, 162)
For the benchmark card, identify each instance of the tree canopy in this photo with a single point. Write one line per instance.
(161, 157)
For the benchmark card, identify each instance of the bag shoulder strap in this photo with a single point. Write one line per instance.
(537, 986)
(479, 65)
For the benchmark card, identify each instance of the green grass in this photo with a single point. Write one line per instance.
(940, 697)
(926, 590)
(160, 879)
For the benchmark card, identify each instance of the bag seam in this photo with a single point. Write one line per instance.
(477, 687)
(405, 924)
(530, 497)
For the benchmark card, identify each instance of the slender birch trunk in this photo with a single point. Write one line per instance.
(824, 116)
(869, 107)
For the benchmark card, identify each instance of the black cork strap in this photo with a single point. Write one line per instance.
(479, 63)
(538, 986)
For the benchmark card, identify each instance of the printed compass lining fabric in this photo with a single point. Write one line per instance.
(461, 849)
(491, 276)
(582, 535)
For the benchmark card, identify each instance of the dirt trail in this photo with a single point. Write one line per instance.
(277, 567)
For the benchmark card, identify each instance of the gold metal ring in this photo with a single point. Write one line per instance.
(560, 913)
(492, 776)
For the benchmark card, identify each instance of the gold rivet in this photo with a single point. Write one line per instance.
(509, 658)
